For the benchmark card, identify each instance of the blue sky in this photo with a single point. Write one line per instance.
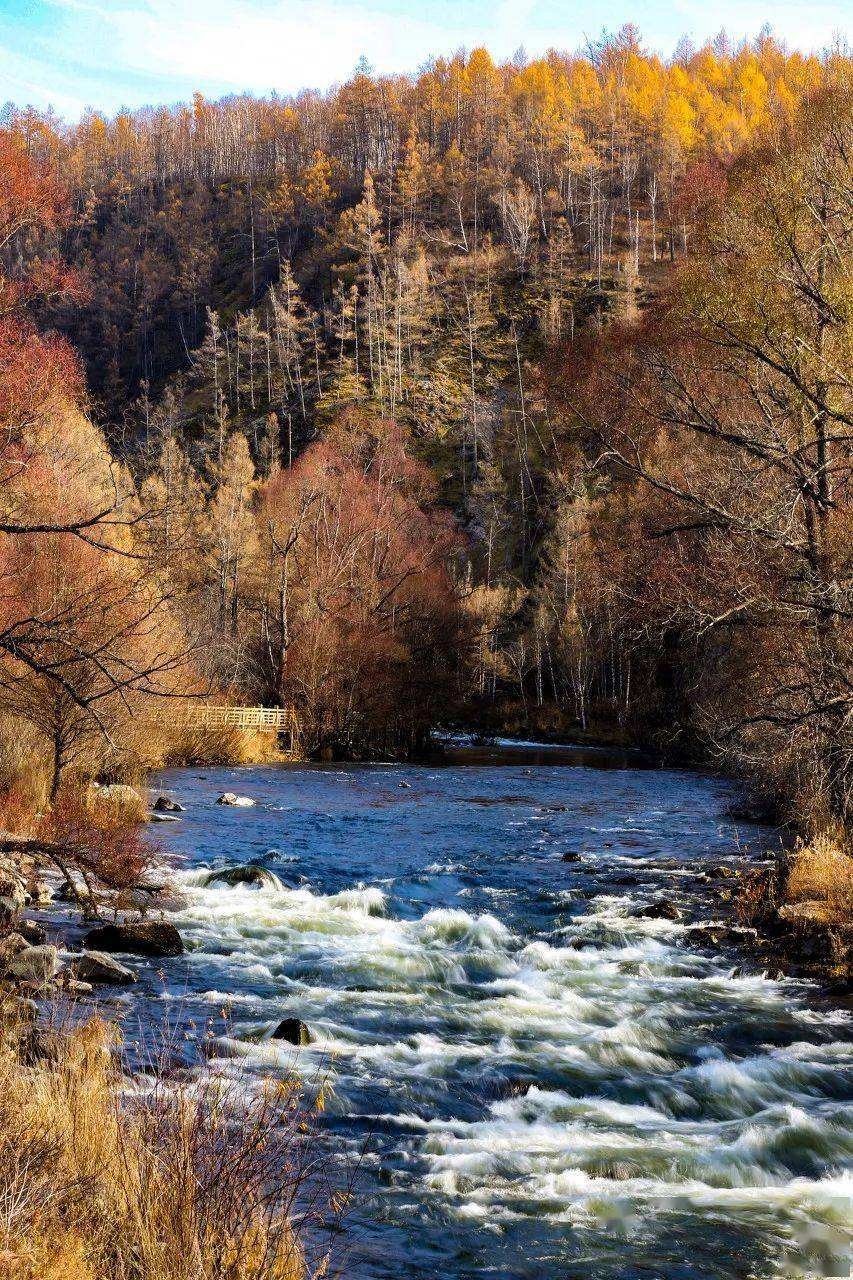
(72, 54)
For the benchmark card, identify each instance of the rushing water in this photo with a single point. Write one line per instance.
(530, 1080)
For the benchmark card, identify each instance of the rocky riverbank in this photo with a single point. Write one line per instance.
(37, 960)
(800, 910)
(792, 914)
(34, 969)
(103, 871)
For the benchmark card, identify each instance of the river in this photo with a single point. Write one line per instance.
(529, 1079)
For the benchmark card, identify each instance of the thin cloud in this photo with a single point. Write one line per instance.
(26, 80)
(239, 44)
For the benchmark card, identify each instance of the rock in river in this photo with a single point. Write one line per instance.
(35, 964)
(68, 892)
(10, 946)
(98, 967)
(13, 897)
(708, 935)
(165, 804)
(242, 802)
(661, 909)
(293, 1030)
(32, 933)
(39, 893)
(141, 938)
(250, 874)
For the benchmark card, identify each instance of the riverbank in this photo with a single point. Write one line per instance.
(104, 1178)
(801, 910)
(112, 1167)
(510, 719)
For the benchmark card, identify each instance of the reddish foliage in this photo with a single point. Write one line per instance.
(30, 196)
(104, 845)
(16, 807)
(32, 205)
(35, 370)
(371, 625)
(701, 189)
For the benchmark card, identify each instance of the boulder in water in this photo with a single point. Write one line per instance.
(250, 874)
(662, 909)
(235, 801)
(708, 935)
(571, 857)
(156, 816)
(74, 987)
(35, 964)
(39, 893)
(165, 804)
(142, 938)
(293, 1030)
(722, 872)
(10, 946)
(68, 892)
(13, 897)
(98, 967)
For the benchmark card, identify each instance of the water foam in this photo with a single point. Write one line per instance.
(589, 1079)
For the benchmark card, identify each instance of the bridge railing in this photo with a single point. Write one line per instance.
(204, 716)
(200, 715)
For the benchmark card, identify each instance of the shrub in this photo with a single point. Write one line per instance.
(163, 1186)
(224, 746)
(98, 840)
(822, 871)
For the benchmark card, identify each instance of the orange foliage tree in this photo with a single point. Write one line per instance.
(726, 420)
(358, 618)
(84, 626)
(86, 635)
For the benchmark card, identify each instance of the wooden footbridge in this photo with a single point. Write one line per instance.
(280, 720)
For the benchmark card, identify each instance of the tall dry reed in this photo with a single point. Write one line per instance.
(199, 1180)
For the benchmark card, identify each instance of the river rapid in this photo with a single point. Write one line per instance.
(527, 1079)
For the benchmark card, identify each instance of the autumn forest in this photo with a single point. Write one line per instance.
(503, 397)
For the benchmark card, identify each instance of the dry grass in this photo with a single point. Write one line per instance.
(116, 805)
(167, 1185)
(222, 746)
(24, 772)
(821, 871)
(25, 769)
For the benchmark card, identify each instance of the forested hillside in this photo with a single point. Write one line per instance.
(413, 214)
(513, 395)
